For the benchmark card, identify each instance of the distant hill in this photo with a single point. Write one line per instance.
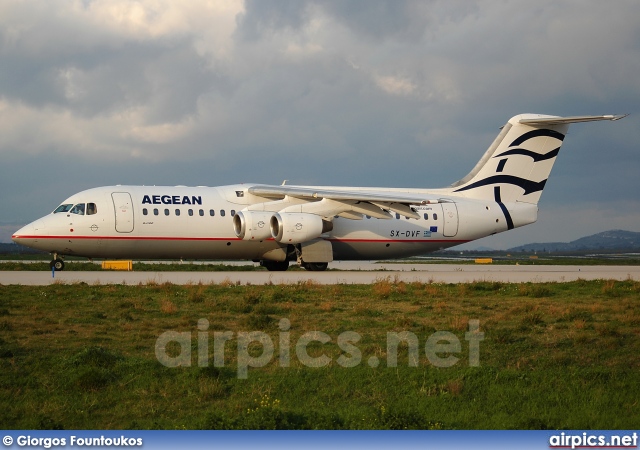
(14, 249)
(612, 240)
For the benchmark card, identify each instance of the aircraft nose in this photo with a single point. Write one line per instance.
(29, 232)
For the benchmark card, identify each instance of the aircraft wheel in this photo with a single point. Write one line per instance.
(315, 267)
(57, 265)
(275, 266)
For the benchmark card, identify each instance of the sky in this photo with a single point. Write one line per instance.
(396, 93)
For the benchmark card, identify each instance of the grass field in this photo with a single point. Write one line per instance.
(554, 356)
(84, 266)
(527, 261)
(76, 264)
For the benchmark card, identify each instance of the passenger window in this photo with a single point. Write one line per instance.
(368, 217)
(177, 212)
(78, 209)
(435, 216)
(144, 211)
(166, 212)
(63, 208)
(233, 212)
(155, 211)
(397, 216)
(201, 212)
(222, 212)
(426, 216)
(212, 212)
(91, 209)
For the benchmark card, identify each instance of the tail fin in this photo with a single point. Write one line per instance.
(517, 165)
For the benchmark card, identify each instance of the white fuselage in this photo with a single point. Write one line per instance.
(196, 223)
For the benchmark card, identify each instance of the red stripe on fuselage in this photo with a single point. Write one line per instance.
(424, 241)
(131, 238)
(166, 238)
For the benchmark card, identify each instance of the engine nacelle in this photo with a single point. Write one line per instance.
(252, 225)
(294, 228)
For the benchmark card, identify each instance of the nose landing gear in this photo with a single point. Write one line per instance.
(57, 264)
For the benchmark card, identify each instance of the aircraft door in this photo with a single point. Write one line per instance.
(450, 213)
(123, 207)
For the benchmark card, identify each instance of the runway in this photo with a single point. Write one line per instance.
(347, 273)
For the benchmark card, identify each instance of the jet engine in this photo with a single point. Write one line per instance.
(294, 228)
(252, 225)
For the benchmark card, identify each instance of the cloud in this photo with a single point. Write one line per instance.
(138, 69)
(398, 93)
(395, 85)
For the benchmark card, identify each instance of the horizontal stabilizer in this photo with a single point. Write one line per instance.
(567, 120)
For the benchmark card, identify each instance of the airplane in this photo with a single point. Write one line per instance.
(311, 225)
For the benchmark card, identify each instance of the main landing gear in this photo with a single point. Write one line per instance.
(275, 266)
(315, 267)
(57, 264)
(281, 266)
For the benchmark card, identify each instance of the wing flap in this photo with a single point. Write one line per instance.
(400, 209)
(328, 207)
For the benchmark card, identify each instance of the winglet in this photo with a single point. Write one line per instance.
(621, 116)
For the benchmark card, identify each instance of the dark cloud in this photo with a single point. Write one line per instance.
(398, 93)
(380, 19)
(265, 17)
(407, 20)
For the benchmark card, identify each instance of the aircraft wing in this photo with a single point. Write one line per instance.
(346, 203)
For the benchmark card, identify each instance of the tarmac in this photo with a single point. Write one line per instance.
(361, 272)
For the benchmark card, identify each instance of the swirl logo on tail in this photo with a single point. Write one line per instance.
(528, 186)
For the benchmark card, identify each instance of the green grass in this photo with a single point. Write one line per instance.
(84, 266)
(555, 355)
(546, 260)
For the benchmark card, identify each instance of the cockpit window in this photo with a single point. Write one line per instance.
(78, 209)
(91, 209)
(63, 208)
